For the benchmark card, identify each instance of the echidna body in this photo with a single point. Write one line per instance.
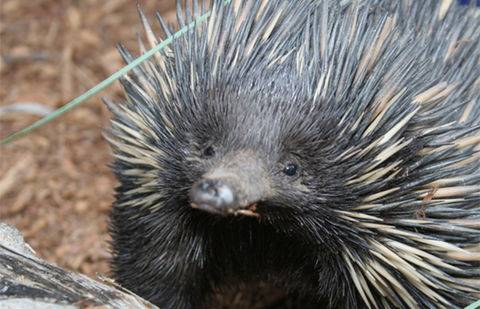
(330, 148)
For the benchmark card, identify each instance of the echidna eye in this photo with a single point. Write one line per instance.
(290, 169)
(209, 151)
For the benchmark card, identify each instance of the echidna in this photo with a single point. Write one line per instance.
(330, 148)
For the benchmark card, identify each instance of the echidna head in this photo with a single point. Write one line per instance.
(257, 153)
(255, 147)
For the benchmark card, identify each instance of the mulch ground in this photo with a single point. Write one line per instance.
(55, 184)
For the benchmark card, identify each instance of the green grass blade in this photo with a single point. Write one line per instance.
(474, 305)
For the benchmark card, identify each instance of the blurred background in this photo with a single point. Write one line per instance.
(55, 184)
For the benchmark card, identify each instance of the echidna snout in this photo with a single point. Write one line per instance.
(231, 188)
(212, 195)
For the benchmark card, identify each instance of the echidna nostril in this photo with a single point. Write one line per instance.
(206, 185)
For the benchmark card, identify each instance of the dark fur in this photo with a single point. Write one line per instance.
(175, 256)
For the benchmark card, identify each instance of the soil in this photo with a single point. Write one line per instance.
(55, 183)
